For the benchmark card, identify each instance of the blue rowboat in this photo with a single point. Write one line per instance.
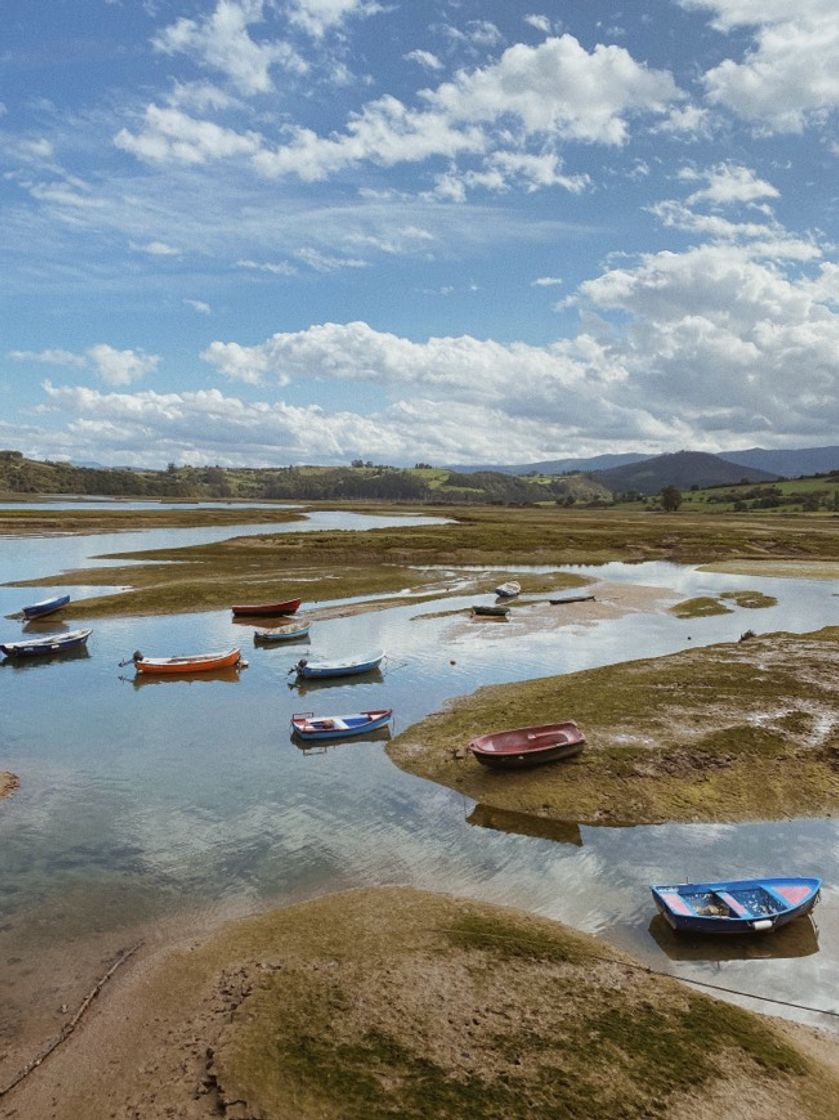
(308, 726)
(339, 667)
(53, 643)
(46, 606)
(737, 905)
(282, 633)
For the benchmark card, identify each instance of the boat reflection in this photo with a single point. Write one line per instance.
(44, 626)
(304, 685)
(75, 653)
(800, 938)
(380, 735)
(230, 675)
(526, 824)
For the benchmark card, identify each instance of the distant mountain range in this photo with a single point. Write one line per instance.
(558, 466)
(682, 469)
(786, 464)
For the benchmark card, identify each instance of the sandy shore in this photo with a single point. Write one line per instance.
(382, 1003)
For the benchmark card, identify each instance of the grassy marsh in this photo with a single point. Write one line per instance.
(734, 731)
(333, 564)
(393, 1004)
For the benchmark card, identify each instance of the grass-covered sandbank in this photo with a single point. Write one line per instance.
(737, 731)
(114, 518)
(392, 1004)
(777, 569)
(703, 606)
(336, 564)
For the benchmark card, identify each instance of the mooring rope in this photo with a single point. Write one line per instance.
(637, 967)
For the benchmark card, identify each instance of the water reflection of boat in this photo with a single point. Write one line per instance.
(380, 735)
(797, 939)
(45, 626)
(75, 653)
(303, 685)
(526, 824)
(230, 675)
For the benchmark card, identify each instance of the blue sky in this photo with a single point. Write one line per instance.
(261, 232)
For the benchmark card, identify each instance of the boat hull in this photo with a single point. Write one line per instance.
(522, 747)
(199, 663)
(281, 634)
(267, 610)
(47, 606)
(312, 728)
(736, 905)
(39, 647)
(491, 612)
(309, 670)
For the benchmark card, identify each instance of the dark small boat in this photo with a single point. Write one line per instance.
(46, 606)
(494, 611)
(311, 727)
(53, 643)
(339, 667)
(509, 589)
(267, 610)
(287, 633)
(528, 746)
(571, 599)
(737, 905)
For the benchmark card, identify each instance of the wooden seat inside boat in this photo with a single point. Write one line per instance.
(734, 905)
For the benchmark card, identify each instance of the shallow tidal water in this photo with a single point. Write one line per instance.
(145, 800)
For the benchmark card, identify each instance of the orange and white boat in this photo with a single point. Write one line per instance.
(196, 663)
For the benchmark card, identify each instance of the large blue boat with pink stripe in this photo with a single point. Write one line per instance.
(737, 905)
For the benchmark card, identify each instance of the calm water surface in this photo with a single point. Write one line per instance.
(140, 800)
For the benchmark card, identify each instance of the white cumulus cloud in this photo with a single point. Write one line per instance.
(121, 367)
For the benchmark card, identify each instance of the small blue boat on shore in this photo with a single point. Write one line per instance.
(312, 667)
(308, 726)
(737, 905)
(53, 643)
(45, 606)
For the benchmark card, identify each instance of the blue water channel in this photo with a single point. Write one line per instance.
(140, 800)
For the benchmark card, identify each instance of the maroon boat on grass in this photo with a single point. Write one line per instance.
(528, 746)
(267, 610)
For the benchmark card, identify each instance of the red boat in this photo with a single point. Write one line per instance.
(266, 610)
(528, 746)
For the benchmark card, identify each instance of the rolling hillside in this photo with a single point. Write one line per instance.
(682, 469)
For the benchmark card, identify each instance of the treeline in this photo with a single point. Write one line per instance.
(19, 475)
